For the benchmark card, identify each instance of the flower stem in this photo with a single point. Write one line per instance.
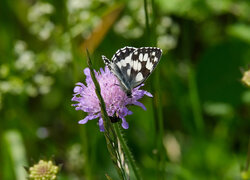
(195, 102)
(157, 103)
(146, 16)
(248, 156)
(127, 152)
(159, 127)
(109, 133)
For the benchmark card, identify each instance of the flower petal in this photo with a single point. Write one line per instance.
(86, 71)
(93, 116)
(101, 126)
(130, 112)
(89, 117)
(80, 84)
(102, 71)
(77, 89)
(74, 98)
(138, 87)
(84, 121)
(78, 108)
(125, 123)
(140, 104)
(148, 94)
(107, 69)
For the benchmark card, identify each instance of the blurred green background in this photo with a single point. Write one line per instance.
(196, 126)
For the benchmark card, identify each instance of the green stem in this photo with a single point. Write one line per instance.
(187, 49)
(157, 104)
(248, 156)
(146, 16)
(160, 127)
(109, 132)
(195, 102)
(153, 38)
(127, 152)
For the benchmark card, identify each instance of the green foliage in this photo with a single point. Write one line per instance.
(195, 127)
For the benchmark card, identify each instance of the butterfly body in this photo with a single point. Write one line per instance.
(132, 66)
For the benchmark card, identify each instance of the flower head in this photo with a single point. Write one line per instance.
(44, 170)
(115, 98)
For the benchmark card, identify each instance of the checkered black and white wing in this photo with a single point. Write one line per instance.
(132, 66)
(143, 61)
(120, 55)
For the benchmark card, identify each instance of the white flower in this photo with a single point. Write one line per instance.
(20, 46)
(75, 5)
(38, 10)
(25, 61)
(46, 30)
(60, 57)
(44, 83)
(166, 42)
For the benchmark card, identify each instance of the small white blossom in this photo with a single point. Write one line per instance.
(43, 82)
(20, 47)
(75, 5)
(60, 57)
(38, 10)
(166, 42)
(13, 86)
(31, 90)
(25, 61)
(46, 31)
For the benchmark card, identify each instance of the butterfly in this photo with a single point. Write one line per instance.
(132, 66)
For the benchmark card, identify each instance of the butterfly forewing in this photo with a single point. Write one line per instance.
(122, 53)
(144, 61)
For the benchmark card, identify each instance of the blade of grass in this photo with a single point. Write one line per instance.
(157, 105)
(195, 102)
(153, 24)
(187, 48)
(160, 127)
(248, 156)
(179, 94)
(16, 151)
(146, 17)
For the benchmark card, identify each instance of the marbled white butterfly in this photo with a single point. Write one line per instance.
(132, 66)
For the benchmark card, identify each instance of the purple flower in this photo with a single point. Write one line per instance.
(114, 97)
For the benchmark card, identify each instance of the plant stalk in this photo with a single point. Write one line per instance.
(127, 152)
(109, 133)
